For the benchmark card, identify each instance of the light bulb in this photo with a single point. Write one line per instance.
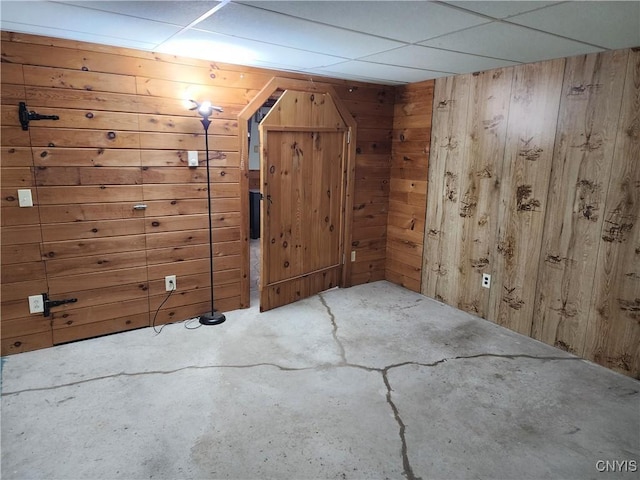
(205, 108)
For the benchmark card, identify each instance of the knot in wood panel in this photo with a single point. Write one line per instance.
(451, 144)
(591, 143)
(506, 248)
(468, 206)
(524, 200)
(444, 104)
(588, 199)
(492, 123)
(529, 152)
(479, 263)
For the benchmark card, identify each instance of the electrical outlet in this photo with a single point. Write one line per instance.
(36, 304)
(486, 280)
(353, 255)
(170, 283)
(192, 158)
(24, 198)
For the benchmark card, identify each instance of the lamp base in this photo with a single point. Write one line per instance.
(212, 318)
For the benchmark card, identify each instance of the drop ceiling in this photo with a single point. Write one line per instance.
(388, 42)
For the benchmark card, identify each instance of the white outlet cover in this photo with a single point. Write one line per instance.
(24, 198)
(167, 283)
(36, 304)
(192, 158)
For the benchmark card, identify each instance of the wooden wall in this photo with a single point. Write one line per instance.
(408, 184)
(534, 179)
(374, 114)
(122, 140)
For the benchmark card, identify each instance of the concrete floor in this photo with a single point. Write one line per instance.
(370, 382)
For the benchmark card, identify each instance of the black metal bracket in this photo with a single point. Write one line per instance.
(54, 303)
(268, 197)
(26, 116)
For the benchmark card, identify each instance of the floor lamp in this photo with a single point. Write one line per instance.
(205, 109)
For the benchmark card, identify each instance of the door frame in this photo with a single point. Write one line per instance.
(275, 84)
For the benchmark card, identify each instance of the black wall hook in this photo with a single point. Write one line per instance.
(26, 116)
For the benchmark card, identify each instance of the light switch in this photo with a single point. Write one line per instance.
(192, 158)
(24, 198)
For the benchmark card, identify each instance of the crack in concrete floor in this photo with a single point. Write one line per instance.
(404, 449)
(406, 464)
(334, 331)
(286, 369)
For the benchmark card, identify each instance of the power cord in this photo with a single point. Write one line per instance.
(187, 323)
(153, 323)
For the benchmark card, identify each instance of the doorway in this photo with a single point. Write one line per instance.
(254, 196)
(317, 118)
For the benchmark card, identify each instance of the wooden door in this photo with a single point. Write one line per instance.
(303, 175)
(88, 177)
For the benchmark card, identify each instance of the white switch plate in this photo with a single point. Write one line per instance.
(353, 255)
(192, 158)
(24, 198)
(36, 305)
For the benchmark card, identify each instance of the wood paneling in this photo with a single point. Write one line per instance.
(480, 184)
(122, 139)
(533, 179)
(23, 269)
(613, 329)
(408, 184)
(442, 236)
(585, 141)
(533, 111)
(372, 108)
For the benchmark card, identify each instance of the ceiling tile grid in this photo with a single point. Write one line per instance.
(389, 42)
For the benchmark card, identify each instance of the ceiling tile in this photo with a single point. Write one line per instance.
(224, 48)
(434, 59)
(260, 25)
(82, 23)
(76, 36)
(500, 9)
(159, 11)
(390, 19)
(606, 24)
(378, 72)
(510, 42)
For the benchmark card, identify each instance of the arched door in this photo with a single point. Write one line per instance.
(303, 184)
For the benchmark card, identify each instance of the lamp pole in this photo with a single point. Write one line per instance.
(205, 110)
